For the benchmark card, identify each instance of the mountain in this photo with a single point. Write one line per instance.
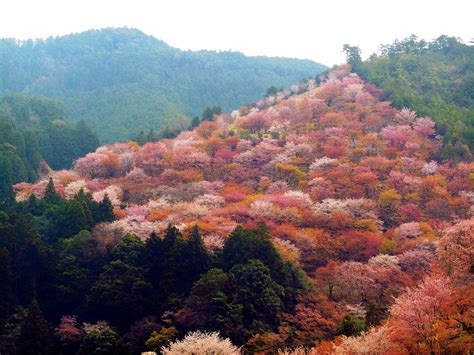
(34, 129)
(316, 219)
(121, 81)
(434, 78)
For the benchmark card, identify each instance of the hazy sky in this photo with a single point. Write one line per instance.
(294, 28)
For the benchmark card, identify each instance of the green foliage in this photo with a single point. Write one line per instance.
(209, 112)
(259, 294)
(130, 250)
(6, 284)
(212, 306)
(162, 338)
(32, 128)
(35, 333)
(6, 180)
(33, 264)
(48, 253)
(254, 244)
(273, 90)
(50, 194)
(105, 211)
(351, 325)
(176, 263)
(165, 133)
(121, 293)
(102, 342)
(195, 122)
(354, 59)
(247, 294)
(435, 79)
(121, 81)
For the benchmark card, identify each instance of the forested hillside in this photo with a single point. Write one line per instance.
(121, 81)
(33, 129)
(317, 220)
(435, 79)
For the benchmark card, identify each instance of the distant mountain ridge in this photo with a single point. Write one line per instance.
(121, 81)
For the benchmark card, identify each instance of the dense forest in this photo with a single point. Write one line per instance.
(434, 78)
(318, 221)
(121, 81)
(33, 130)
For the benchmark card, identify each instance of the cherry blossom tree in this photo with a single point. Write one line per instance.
(68, 330)
(73, 188)
(431, 317)
(456, 249)
(424, 126)
(405, 116)
(201, 343)
(376, 341)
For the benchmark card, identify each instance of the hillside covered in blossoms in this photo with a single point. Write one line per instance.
(317, 219)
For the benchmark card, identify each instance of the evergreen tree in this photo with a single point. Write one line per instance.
(195, 122)
(50, 194)
(354, 58)
(77, 217)
(34, 206)
(211, 306)
(105, 212)
(141, 138)
(171, 235)
(121, 294)
(171, 285)
(6, 291)
(152, 136)
(259, 295)
(167, 133)
(102, 342)
(195, 261)
(35, 334)
(181, 263)
(272, 90)
(351, 326)
(154, 251)
(209, 112)
(33, 154)
(85, 139)
(130, 250)
(6, 181)
(254, 244)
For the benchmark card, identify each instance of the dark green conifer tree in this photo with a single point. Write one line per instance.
(105, 211)
(35, 333)
(6, 291)
(50, 194)
(6, 181)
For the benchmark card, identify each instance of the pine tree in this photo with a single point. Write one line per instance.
(154, 251)
(105, 211)
(33, 154)
(6, 294)
(50, 195)
(195, 261)
(77, 217)
(86, 139)
(171, 234)
(195, 122)
(35, 333)
(6, 181)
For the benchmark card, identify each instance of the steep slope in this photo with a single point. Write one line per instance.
(33, 129)
(434, 78)
(121, 81)
(348, 191)
(337, 141)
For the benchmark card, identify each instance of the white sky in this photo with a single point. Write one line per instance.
(293, 28)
